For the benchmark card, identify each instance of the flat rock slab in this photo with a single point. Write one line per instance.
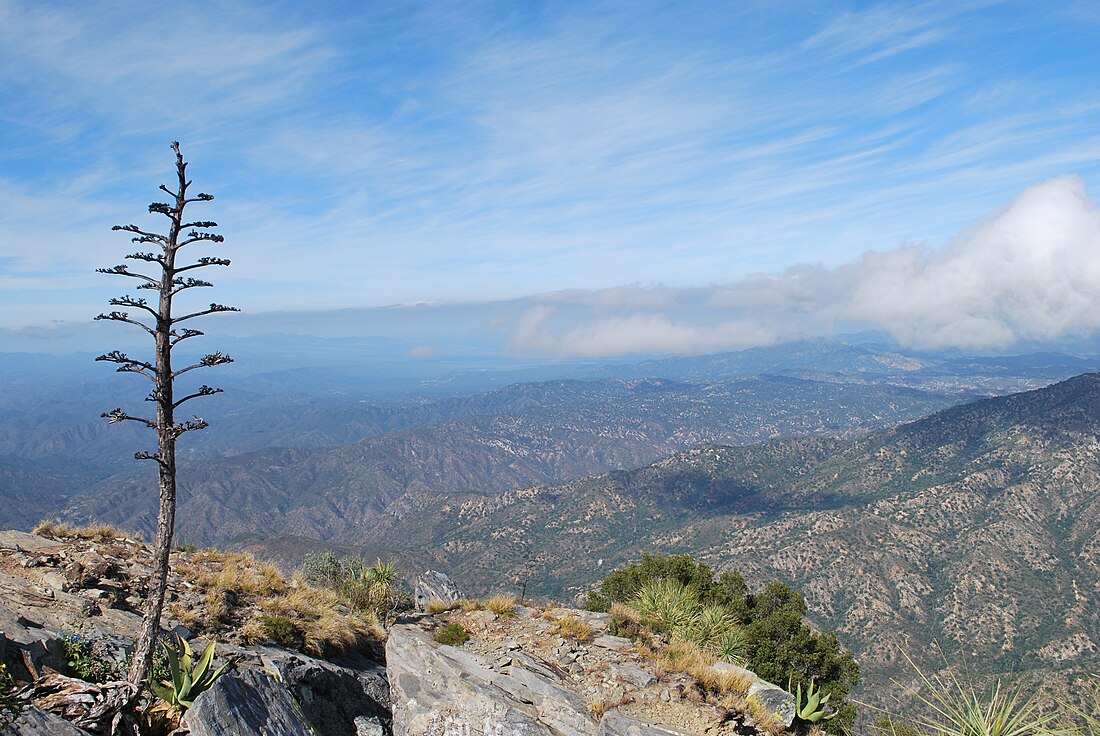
(34, 721)
(439, 689)
(23, 542)
(615, 724)
(246, 703)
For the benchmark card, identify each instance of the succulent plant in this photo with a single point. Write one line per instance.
(189, 678)
(812, 709)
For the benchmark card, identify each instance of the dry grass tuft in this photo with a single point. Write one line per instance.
(572, 627)
(435, 605)
(501, 604)
(52, 529)
(599, 707)
(240, 592)
(469, 604)
(95, 532)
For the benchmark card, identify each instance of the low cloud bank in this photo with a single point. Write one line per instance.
(1028, 273)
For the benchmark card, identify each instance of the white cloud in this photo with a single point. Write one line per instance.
(1028, 273)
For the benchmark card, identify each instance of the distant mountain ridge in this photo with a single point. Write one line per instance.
(977, 527)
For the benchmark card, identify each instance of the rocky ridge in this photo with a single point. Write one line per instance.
(517, 673)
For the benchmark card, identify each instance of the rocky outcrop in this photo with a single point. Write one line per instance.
(437, 689)
(336, 699)
(545, 673)
(433, 585)
(33, 721)
(246, 703)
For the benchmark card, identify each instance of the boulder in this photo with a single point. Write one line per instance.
(434, 585)
(334, 699)
(769, 696)
(33, 721)
(246, 703)
(439, 689)
(616, 724)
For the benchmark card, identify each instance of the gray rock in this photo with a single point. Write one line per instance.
(437, 689)
(773, 699)
(768, 696)
(34, 721)
(616, 724)
(369, 727)
(23, 542)
(635, 675)
(614, 643)
(434, 585)
(246, 703)
(333, 698)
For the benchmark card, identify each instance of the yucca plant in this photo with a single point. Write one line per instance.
(668, 605)
(812, 709)
(734, 647)
(953, 708)
(189, 678)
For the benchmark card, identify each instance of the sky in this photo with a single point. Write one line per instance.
(567, 178)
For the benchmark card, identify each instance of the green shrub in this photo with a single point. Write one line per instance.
(452, 634)
(763, 630)
(375, 588)
(281, 630)
(94, 658)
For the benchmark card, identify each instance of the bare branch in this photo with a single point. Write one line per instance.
(181, 336)
(124, 317)
(126, 364)
(146, 257)
(114, 416)
(212, 310)
(189, 426)
(123, 270)
(162, 209)
(199, 223)
(129, 301)
(207, 361)
(204, 390)
(147, 456)
(168, 191)
(205, 261)
(145, 236)
(181, 284)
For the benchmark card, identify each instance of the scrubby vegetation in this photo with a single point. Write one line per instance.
(252, 600)
(682, 599)
(452, 634)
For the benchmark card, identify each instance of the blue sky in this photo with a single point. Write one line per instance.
(616, 178)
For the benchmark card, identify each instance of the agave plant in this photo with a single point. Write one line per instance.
(812, 709)
(189, 678)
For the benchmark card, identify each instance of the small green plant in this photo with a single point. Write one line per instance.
(280, 630)
(452, 634)
(185, 548)
(93, 658)
(812, 709)
(189, 678)
(10, 706)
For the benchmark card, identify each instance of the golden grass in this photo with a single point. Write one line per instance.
(435, 605)
(469, 604)
(501, 604)
(572, 627)
(599, 707)
(99, 532)
(237, 586)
